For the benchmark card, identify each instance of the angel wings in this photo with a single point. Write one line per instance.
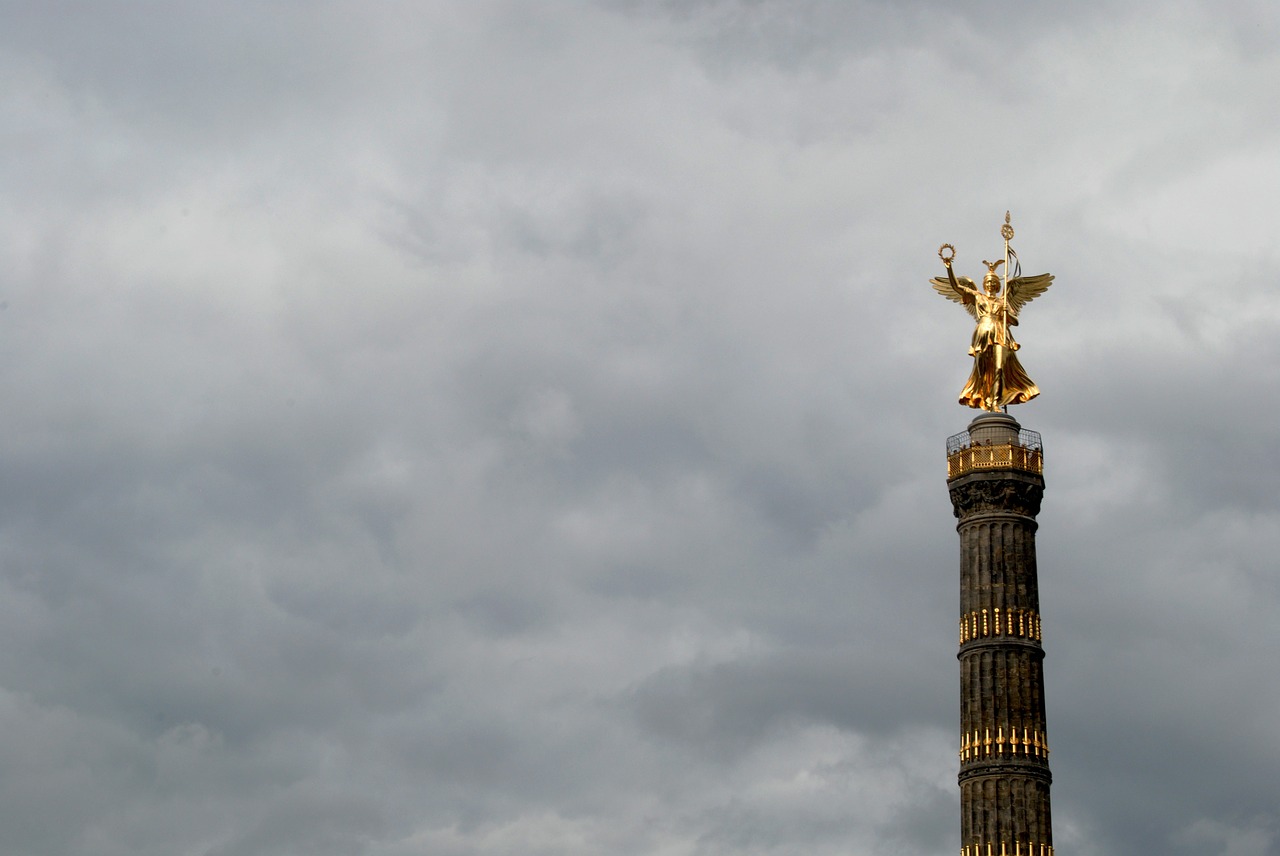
(1022, 290)
(997, 379)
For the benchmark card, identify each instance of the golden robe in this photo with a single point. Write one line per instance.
(997, 379)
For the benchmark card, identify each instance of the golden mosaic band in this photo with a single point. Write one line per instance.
(1033, 744)
(1017, 849)
(1018, 623)
(1006, 456)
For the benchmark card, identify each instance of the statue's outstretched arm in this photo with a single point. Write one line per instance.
(965, 293)
(959, 290)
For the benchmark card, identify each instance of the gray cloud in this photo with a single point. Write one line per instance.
(485, 429)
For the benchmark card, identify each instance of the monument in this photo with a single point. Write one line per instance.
(995, 476)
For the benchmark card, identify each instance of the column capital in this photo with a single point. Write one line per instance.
(998, 492)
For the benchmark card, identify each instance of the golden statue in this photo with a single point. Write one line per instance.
(997, 379)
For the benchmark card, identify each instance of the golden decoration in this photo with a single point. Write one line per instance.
(997, 379)
(978, 624)
(976, 849)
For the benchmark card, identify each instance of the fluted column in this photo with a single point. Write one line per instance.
(996, 487)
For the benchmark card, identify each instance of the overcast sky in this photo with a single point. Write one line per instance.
(500, 428)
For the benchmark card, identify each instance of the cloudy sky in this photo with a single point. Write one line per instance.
(500, 428)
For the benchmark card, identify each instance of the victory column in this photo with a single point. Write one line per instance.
(995, 477)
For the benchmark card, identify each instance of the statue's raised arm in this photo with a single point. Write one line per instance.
(962, 291)
(997, 379)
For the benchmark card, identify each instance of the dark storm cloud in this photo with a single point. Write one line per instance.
(489, 429)
(720, 708)
(180, 63)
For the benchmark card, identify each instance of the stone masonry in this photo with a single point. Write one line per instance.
(996, 486)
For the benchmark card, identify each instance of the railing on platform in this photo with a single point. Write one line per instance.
(966, 456)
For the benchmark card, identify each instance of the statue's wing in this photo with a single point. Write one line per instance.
(1024, 289)
(943, 287)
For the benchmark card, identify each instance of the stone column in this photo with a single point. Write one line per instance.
(996, 483)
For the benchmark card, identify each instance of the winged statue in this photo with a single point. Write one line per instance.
(997, 379)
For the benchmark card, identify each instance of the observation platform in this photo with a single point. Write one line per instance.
(994, 441)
